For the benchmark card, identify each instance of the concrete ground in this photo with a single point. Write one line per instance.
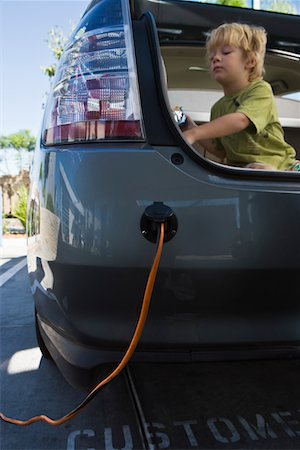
(12, 246)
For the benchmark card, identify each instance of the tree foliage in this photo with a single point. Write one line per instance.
(56, 41)
(280, 6)
(21, 206)
(240, 3)
(22, 140)
(283, 6)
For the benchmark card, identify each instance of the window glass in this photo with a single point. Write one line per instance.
(294, 96)
(283, 6)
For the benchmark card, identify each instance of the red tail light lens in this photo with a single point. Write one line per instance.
(95, 93)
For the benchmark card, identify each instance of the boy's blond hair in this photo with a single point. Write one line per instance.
(251, 39)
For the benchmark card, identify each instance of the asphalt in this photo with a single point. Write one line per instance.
(224, 405)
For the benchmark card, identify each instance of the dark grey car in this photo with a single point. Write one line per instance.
(228, 281)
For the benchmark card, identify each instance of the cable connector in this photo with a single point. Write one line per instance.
(158, 212)
(155, 214)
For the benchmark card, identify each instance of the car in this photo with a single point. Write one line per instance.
(112, 165)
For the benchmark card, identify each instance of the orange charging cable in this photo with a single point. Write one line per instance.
(126, 357)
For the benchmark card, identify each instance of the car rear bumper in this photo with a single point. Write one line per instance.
(228, 277)
(84, 366)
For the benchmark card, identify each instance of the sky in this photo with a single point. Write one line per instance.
(24, 26)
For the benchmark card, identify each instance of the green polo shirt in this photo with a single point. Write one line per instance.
(263, 141)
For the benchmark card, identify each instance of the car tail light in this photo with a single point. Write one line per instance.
(95, 90)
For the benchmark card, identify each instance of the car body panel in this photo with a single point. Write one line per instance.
(227, 281)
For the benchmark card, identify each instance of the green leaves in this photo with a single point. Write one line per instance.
(280, 6)
(20, 140)
(56, 41)
(239, 3)
(21, 206)
(283, 6)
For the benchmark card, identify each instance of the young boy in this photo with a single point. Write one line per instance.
(244, 130)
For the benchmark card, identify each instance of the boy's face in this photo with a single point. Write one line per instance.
(229, 65)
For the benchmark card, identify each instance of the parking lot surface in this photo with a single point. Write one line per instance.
(209, 405)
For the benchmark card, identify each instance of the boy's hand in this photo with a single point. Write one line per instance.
(189, 133)
(189, 124)
(222, 126)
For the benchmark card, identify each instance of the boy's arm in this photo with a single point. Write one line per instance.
(210, 147)
(220, 127)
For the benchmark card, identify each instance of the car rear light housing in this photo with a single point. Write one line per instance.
(95, 95)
